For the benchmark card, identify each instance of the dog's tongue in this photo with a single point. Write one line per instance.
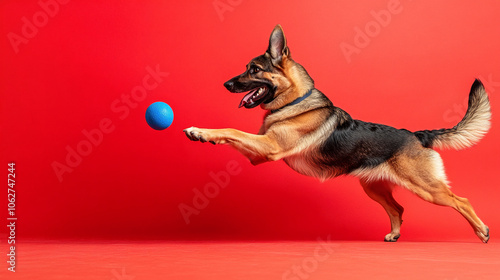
(246, 98)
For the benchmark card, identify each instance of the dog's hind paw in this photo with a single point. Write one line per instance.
(392, 237)
(484, 237)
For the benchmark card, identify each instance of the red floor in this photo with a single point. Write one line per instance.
(244, 260)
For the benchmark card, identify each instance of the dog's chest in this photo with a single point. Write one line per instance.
(305, 164)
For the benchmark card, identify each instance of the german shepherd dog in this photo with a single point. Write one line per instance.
(316, 138)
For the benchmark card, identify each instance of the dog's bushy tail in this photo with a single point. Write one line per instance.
(469, 130)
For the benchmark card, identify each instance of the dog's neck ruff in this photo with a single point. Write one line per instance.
(296, 101)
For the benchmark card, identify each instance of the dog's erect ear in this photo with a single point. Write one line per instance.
(277, 45)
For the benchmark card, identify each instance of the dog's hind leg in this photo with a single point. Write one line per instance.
(422, 172)
(381, 192)
(439, 193)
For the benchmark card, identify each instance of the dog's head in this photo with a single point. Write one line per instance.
(273, 79)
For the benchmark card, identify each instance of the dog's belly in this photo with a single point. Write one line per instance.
(305, 165)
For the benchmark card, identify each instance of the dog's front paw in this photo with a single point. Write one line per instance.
(197, 134)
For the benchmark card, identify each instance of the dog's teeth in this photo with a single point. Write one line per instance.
(259, 92)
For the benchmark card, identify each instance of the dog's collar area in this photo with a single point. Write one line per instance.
(296, 101)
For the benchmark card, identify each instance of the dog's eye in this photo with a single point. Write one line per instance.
(255, 70)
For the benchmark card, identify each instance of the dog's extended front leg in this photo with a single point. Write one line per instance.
(257, 148)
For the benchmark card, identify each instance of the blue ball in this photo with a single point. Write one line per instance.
(159, 115)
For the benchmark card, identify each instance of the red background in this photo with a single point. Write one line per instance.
(415, 73)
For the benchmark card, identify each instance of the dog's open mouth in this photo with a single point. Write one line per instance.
(255, 97)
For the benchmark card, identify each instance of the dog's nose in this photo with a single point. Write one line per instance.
(229, 85)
